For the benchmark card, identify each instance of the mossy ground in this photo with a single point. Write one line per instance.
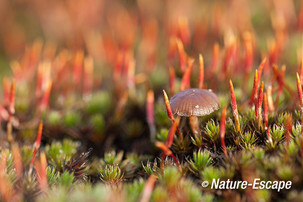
(92, 73)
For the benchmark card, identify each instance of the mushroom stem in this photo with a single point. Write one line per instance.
(194, 124)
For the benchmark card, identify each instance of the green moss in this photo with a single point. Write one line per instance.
(99, 103)
(72, 119)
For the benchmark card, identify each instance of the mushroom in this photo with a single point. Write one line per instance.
(193, 103)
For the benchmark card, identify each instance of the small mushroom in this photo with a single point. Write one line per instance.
(192, 103)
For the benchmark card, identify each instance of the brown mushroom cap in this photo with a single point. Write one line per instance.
(194, 102)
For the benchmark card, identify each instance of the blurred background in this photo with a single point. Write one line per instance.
(139, 45)
(103, 27)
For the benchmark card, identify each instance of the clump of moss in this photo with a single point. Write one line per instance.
(105, 132)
